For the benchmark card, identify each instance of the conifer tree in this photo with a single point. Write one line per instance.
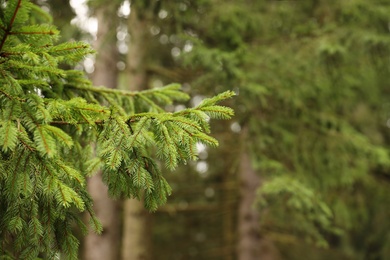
(50, 116)
(312, 78)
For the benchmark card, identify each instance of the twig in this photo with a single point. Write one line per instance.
(8, 29)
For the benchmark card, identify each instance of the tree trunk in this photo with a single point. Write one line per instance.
(136, 243)
(107, 245)
(251, 245)
(136, 231)
(228, 150)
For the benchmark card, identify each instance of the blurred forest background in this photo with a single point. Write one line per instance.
(303, 169)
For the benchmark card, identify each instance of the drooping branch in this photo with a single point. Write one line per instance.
(102, 90)
(98, 122)
(9, 27)
(143, 93)
(42, 33)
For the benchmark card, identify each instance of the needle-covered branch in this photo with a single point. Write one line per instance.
(49, 116)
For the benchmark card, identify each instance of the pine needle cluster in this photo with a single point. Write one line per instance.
(49, 119)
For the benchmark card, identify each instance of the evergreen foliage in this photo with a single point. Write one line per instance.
(312, 78)
(50, 117)
(317, 137)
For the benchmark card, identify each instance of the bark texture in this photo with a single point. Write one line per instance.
(107, 245)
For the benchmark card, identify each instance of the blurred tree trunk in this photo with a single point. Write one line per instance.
(248, 217)
(107, 245)
(136, 231)
(228, 172)
(251, 245)
(136, 220)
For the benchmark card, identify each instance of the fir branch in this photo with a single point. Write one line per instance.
(46, 156)
(8, 136)
(97, 122)
(101, 90)
(35, 68)
(15, 173)
(115, 157)
(73, 48)
(43, 141)
(8, 53)
(125, 93)
(151, 103)
(9, 27)
(32, 149)
(31, 33)
(95, 223)
(51, 50)
(135, 135)
(93, 110)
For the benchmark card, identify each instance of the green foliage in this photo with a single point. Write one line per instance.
(312, 78)
(50, 116)
(311, 213)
